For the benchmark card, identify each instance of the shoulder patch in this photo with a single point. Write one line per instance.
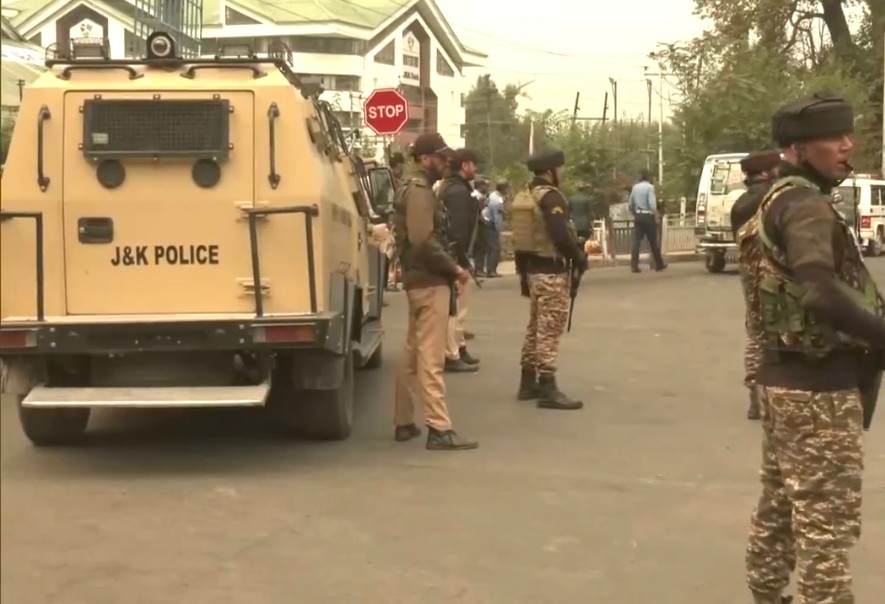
(557, 210)
(417, 182)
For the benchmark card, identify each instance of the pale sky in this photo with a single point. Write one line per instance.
(567, 46)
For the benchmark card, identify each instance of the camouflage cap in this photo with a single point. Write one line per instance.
(546, 161)
(821, 115)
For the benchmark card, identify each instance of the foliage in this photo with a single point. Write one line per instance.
(757, 55)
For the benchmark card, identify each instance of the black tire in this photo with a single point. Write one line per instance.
(875, 246)
(714, 263)
(376, 360)
(328, 414)
(53, 427)
(313, 414)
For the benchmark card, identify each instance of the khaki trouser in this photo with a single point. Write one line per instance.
(455, 335)
(424, 356)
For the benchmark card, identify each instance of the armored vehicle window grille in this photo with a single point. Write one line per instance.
(192, 128)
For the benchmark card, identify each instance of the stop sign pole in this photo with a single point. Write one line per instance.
(386, 111)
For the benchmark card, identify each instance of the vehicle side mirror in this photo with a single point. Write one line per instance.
(381, 191)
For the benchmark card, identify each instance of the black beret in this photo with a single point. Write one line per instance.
(821, 115)
(760, 161)
(545, 161)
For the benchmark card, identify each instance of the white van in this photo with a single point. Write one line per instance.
(722, 182)
(867, 194)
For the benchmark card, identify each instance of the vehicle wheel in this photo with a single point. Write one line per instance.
(52, 427)
(876, 243)
(715, 263)
(376, 359)
(328, 414)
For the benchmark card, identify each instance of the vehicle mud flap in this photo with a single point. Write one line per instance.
(18, 375)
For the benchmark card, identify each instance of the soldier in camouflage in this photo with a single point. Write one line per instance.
(822, 326)
(547, 258)
(760, 169)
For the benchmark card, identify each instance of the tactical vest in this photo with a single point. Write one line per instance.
(527, 223)
(773, 298)
(398, 220)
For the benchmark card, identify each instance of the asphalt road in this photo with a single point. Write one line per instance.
(642, 497)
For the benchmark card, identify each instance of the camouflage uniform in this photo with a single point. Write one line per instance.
(547, 257)
(808, 514)
(548, 315)
(758, 167)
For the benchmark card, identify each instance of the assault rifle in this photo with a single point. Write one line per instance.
(870, 384)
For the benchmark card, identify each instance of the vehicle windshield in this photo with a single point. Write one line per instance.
(726, 177)
(846, 200)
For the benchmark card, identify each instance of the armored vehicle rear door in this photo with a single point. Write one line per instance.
(155, 187)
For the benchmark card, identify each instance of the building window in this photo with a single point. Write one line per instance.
(442, 66)
(386, 55)
(411, 61)
(330, 46)
(463, 100)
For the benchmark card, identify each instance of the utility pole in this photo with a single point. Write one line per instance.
(575, 112)
(489, 126)
(614, 84)
(648, 85)
(660, 75)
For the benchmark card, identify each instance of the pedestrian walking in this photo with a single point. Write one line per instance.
(760, 170)
(429, 273)
(823, 332)
(547, 259)
(644, 207)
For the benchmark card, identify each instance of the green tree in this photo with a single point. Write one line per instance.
(756, 55)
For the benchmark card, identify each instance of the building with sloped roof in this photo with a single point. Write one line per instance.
(351, 47)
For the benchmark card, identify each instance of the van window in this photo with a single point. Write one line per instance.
(846, 200)
(726, 177)
(877, 196)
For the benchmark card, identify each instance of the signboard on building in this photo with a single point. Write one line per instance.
(411, 60)
(87, 32)
(386, 111)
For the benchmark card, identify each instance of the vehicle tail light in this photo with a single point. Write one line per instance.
(18, 338)
(866, 222)
(701, 216)
(285, 334)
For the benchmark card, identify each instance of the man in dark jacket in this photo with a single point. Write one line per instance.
(760, 169)
(580, 206)
(457, 195)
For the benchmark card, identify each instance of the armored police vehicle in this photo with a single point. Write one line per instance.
(184, 232)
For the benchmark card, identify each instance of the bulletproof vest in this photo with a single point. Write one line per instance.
(527, 223)
(398, 221)
(773, 297)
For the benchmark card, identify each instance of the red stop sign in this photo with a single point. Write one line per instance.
(386, 111)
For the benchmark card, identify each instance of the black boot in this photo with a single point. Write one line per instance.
(528, 385)
(466, 357)
(552, 398)
(459, 366)
(753, 409)
(448, 440)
